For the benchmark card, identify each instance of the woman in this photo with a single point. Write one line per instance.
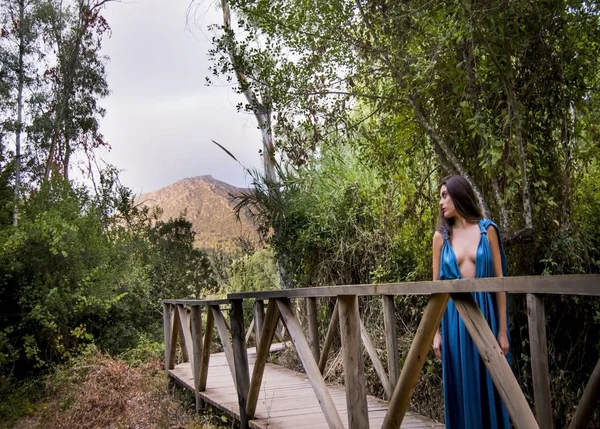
(468, 246)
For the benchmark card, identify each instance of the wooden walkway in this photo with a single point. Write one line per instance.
(286, 398)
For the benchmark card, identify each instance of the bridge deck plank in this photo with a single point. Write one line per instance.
(286, 397)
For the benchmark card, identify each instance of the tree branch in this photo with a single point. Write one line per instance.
(469, 58)
(507, 78)
(449, 158)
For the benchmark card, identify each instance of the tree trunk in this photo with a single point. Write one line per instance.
(261, 111)
(19, 128)
(512, 100)
(51, 154)
(508, 80)
(450, 155)
(567, 134)
(67, 92)
(67, 158)
(469, 58)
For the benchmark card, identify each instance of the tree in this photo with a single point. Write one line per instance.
(177, 269)
(254, 272)
(504, 93)
(259, 102)
(69, 113)
(21, 49)
(457, 71)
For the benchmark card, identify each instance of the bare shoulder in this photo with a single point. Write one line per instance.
(438, 239)
(492, 234)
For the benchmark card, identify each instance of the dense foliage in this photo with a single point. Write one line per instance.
(373, 102)
(254, 272)
(70, 277)
(81, 267)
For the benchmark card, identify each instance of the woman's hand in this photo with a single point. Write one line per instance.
(502, 342)
(437, 345)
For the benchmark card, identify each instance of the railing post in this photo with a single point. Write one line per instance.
(538, 349)
(167, 331)
(354, 367)
(333, 327)
(208, 331)
(391, 339)
(259, 320)
(313, 326)
(240, 355)
(196, 325)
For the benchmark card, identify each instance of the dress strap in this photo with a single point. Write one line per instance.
(445, 232)
(483, 226)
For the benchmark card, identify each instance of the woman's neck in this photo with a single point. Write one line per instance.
(461, 223)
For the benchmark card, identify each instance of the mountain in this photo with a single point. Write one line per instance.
(208, 206)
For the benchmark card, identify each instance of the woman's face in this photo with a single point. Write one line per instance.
(446, 203)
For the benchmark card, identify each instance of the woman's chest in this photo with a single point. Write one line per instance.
(465, 245)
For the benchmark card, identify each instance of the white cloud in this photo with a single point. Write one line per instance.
(161, 117)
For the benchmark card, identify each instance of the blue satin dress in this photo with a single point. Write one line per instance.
(470, 397)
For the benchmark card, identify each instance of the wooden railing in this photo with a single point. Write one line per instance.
(398, 383)
(182, 320)
(184, 332)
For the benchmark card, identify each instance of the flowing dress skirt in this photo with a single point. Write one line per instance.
(471, 399)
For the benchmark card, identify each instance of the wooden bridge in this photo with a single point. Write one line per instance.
(275, 397)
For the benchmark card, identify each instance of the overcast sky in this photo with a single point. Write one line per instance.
(161, 117)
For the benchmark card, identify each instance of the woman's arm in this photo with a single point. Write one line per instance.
(500, 296)
(438, 241)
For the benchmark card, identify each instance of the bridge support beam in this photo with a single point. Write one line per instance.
(354, 367)
(240, 356)
(540, 371)
(588, 400)
(417, 355)
(495, 362)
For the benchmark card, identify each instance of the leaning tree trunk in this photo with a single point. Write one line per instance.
(514, 107)
(262, 111)
(508, 79)
(446, 155)
(469, 58)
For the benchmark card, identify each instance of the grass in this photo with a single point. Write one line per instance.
(98, 391)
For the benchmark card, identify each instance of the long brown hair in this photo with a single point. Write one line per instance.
(464, 201)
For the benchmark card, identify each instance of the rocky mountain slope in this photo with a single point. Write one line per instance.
(208, 206)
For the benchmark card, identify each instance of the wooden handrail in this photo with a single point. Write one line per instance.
(201, 302)
(585, 284)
